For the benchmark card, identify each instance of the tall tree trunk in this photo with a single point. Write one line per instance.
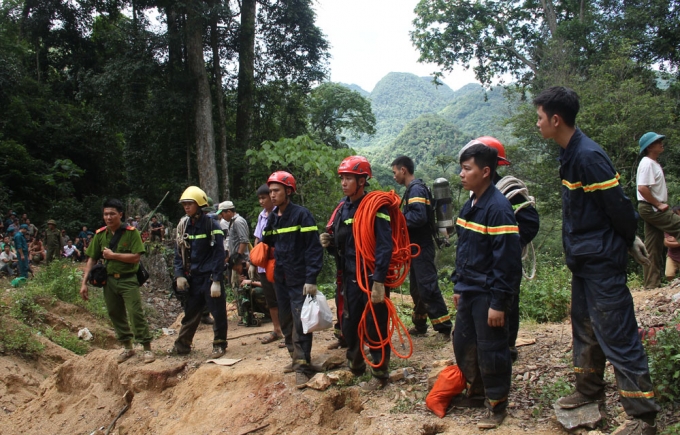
(203, 125)
(246, 75)
(217, 73)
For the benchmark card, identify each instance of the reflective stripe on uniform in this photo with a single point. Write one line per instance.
(604, 185)
(493, 402)
(584, 370)
(442, 319)
(483, 229)
(380, 215)
(637, 394)
(418, 199)
(291, 230)
(203, 236)
(518, 206)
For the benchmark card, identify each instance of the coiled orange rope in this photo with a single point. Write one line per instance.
(365, 243)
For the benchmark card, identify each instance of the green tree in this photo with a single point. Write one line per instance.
(335, 112)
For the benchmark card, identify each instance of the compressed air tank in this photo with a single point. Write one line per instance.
(441, 192)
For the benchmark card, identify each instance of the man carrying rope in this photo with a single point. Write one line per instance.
(354, 172)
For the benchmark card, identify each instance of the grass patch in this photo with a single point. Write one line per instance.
(547, 297)
(67, 340)
(548, 392)
(15, 337)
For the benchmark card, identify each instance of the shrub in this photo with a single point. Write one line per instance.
(15, 337)
(547, 297)
(67, 340)
(664, 364)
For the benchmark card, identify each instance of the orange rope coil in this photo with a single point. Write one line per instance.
(400, 263)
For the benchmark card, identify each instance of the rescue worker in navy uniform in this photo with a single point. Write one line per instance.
(527, 220)
(199, 270)
(488, 272)
(292, 232)
(424, 283)
(354, 172)
(599, 225)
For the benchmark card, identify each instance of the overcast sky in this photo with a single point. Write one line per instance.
(370, 38)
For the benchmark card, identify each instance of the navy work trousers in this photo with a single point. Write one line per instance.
(355, 303)
(290, 300)
(604, 328)
(481, 351)
(427, 297)
(199, 298)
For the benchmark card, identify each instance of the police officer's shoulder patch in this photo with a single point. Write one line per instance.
(130, 228)
(100, 230)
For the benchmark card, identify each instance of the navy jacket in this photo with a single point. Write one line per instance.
(598, 219)
(488, 256)
(416, 204)
(205, 259)
(298, 253)
(344, 240)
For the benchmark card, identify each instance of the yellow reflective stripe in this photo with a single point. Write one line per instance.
(515, 207)
(483, 229)
(442, 319)
(383, 216)
(348, 221)
(419, 199)
(584, 370)
(291, 230)
(197, 236)
(493, 402)
(604, 185)
(637, 394)
(220, 232)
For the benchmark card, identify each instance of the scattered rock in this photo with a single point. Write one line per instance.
(168, 331)
(319, 382)
(85, 334)
(341, 376)
(585, 416)
(329, 362)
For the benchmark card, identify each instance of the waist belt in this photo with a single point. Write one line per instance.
(122, 275)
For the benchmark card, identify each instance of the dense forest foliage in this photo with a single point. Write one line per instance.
(132, 100)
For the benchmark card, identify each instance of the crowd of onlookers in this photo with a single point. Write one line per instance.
(47, 243)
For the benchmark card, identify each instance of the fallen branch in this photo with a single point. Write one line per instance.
(128, 396)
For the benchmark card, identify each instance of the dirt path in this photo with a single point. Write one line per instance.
(62, 393)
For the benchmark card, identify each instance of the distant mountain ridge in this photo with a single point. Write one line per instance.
(410, 111)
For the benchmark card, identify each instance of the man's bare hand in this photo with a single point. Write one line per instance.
(107, 253)
(83, 292)
(456, 297)
(662, 207)
(496, 318)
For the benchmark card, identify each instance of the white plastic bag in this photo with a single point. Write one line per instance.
(316, 314)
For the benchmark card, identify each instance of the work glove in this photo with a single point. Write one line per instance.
(325, 239)
(639, 252)
(215, 289)
(378, 293)
(182, 284)
(309, 289)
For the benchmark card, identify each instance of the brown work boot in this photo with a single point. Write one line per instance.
(577, 399)
(218, 352)
(125, 355)
(375, 384)
(492, 419)
(635, 426)
(301, 380)
(463, 401)
(415, 332)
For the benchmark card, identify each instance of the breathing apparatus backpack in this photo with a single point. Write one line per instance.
(439, 210)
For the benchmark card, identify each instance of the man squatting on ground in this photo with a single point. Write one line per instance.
(598, 227)
(527, 221)
(121, 292)
(267, 287)
(292, 232)
(354, 172)
(487, 276)
(424, 284)
(199, 270)
(652, 196)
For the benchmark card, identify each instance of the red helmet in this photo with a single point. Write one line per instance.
(495, 143)
(282, 177)
(357, 165)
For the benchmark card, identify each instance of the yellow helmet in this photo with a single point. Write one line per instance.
(196, 194)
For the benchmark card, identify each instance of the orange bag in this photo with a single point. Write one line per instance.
(270, 270)
(450, 382)
(260, 255)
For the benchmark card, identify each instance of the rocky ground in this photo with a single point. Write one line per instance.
(62, 393)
